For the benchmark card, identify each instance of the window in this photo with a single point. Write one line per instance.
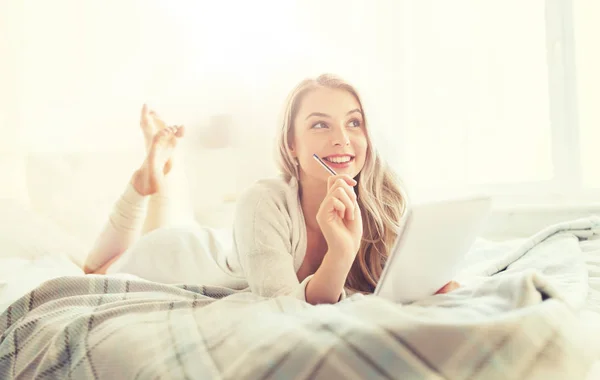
(491, 97)
(587, 60)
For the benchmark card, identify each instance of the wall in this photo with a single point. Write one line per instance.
(83, 69)
(75, 74)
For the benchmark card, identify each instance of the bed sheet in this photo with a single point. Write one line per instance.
(591, 249)
(591, 312)
(21, 274)
(26, 234)
(23, 268)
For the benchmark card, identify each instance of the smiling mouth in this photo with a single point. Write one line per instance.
(339, 159)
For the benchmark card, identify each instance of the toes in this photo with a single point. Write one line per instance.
(180, 131)
(161, 135)
(144, 116)
(167, 133)
(175, 130)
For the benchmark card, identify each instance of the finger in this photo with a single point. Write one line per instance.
(330, 181)
(448, 287)
(340, 177)
(351, 181)
(442, 290)
(180, 131)
(357, 212)
(349, 190)
(343, 196)
(339, 207)
(341, 183)
(343, 177)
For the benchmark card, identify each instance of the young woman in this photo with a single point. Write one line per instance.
(306, 233)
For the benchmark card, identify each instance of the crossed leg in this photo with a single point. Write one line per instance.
(154, 197)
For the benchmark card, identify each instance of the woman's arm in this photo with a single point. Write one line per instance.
(327, 284)
(263, 230)
(263, 242)
(340, 220)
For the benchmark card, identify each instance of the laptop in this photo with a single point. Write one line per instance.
(432, 243)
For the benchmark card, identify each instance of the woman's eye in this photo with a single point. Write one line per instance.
(354, 123)
(319, 125)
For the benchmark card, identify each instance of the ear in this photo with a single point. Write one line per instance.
(292, 149)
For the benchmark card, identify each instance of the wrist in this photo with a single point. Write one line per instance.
(339, 258)
(335, 267)
(327, 284)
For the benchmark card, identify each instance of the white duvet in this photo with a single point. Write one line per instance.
(26, 262)
(572, 265)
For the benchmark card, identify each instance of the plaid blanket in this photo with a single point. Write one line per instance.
(515, 324)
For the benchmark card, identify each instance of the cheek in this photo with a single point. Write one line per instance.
(308, 145)
(360, 149)
(361, 145)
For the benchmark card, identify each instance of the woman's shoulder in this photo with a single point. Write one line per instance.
(277, 190)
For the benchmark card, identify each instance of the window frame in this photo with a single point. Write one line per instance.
(566, 186)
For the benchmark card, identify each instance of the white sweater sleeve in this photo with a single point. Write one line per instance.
(262, 238)
(266, 225)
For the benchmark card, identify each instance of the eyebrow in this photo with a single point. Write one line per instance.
(321, 114)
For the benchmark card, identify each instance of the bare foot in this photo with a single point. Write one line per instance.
(150, 177)
(151, 123)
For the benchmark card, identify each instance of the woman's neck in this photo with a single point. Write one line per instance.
(312, 193)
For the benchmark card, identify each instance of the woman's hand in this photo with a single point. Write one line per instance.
(340, 218)
(452, 285)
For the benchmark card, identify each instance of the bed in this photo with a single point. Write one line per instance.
(529, 307)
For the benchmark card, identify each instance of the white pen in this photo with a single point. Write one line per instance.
(330, 170)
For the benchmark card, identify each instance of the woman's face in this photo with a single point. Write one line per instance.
(330, 124)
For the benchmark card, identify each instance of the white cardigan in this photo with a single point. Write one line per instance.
(270, 238)
(266, 250)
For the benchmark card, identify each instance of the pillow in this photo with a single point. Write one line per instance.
(19, 275)
(78, 190)
(27, 235)
(14, 179)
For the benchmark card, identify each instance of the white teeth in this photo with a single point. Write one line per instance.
(339, 160)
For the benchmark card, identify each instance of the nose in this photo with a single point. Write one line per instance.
(340, 137)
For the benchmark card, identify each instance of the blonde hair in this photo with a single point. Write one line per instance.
(380, 196)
